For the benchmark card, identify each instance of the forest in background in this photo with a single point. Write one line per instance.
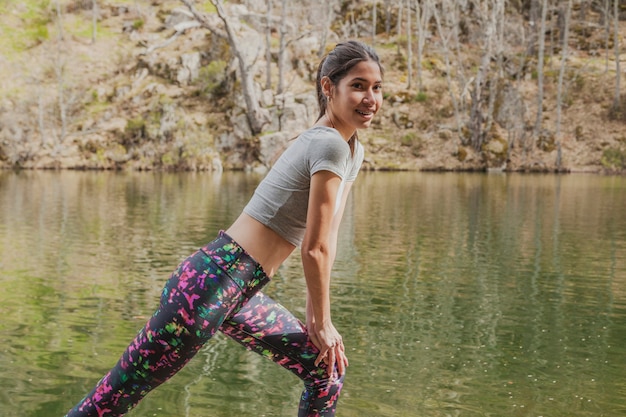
(207, 85)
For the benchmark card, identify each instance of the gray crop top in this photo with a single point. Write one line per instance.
(281, 200)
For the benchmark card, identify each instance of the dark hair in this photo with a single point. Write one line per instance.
(338, 62)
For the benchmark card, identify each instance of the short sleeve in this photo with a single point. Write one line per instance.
(329, 153)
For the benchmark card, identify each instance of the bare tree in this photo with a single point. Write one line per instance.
(564, 54)
(286, 40)
(540, 59)
(533, 20)
(40, 119)
(399, 24)
(374, 23)
(326, 22)
(446, 54)
(257, 118)
(94, 20)
(282, 49)
(268, 45)
(499, 22)
(61, 35)
(409, 46)
(606, 21)
(59, 70)
(387, 4)
(449, 21)
(422, 16)
(618, 74)
(477, 118)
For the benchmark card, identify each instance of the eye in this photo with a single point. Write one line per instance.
(357, 85)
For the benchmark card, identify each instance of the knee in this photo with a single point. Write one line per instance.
(320, 381)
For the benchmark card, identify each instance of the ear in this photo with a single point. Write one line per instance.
(327, 86)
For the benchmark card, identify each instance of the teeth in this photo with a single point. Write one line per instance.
(364, 113)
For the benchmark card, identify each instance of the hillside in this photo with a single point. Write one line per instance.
(143, 96)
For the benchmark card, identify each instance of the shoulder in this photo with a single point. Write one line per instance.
(321, 133)
(324, 149)
(325, 142)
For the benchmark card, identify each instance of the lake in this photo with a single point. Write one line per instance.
(457, 294)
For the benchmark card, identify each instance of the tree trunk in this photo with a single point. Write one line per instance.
(607, 33)
(399, 25)
(409, 46)
(533, 21)
(478, 132)
(559, 101)
(94, 20)
(59, 21)
(561, 18)
(254, 114)
(327, 21)
(617, 99)
(540, 59)
(59, 71)
(584, 5)
(374, 23)
(282, 48)
(388, 17)
(268, 45)
(419, 12)
(498, 19)
(40, 117)
(446, 54)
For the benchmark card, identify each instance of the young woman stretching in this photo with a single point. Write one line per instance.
(299, 203)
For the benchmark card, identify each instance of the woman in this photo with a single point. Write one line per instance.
(299, 203)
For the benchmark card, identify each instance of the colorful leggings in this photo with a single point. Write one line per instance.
(216, 288)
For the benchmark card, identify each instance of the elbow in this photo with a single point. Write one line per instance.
(316, 253)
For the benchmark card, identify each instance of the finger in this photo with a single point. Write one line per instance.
(331, 362)
(341, 363)
(321, 356)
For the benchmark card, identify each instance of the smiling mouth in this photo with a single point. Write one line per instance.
(365, 113)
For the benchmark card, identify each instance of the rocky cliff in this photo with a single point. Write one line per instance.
(151, 90)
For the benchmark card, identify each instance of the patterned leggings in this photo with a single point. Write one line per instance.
(216, 288)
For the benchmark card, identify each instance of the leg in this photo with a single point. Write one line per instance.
(266, 327)
(201, 293)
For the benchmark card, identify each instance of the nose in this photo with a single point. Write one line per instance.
(368, 97)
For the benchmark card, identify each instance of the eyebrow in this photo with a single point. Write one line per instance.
(366, 80)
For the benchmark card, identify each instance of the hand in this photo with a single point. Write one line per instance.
(332, 351)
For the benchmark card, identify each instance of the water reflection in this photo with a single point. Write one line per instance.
(458, 294)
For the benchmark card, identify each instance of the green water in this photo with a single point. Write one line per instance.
(457, 294)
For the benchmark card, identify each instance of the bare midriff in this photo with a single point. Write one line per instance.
(266, 246)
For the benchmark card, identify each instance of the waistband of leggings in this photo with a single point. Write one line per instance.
(226, 253)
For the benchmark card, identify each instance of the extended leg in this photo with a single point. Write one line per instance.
(266, 327)
(206, 288)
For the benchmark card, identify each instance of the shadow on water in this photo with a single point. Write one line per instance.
(457, 294)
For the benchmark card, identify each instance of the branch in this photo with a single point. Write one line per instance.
(232, 38)
(179, 28)
(207, 22)
(302, 36)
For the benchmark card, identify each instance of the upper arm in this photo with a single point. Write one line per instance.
(341, 206)
(320, 221)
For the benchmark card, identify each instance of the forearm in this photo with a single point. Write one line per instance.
(317, 266)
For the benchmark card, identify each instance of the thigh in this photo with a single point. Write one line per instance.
(269, 329)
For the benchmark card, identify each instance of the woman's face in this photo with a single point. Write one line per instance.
(356, 98)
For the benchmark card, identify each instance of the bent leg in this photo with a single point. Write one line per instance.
(269, 329)
(206, 288)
